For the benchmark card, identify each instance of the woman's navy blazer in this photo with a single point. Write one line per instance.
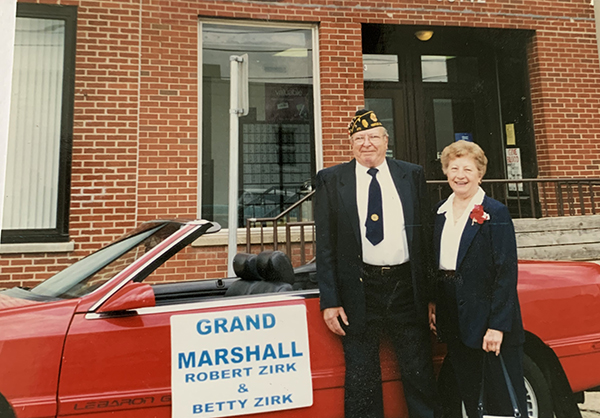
(486, 278)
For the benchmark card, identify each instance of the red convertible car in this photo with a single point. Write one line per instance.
(127, 332)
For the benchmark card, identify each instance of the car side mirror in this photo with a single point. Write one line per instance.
(131, 296)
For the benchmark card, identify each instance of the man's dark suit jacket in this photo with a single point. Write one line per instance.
(339, 249)
(486, 289)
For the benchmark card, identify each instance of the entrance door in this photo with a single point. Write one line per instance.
(461, 83)
(443, 98)
(460, 101)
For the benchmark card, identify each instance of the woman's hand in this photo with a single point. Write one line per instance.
(492, 340)
(432, 321)
(331, 315)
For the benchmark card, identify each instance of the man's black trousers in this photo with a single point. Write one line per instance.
(391, 313)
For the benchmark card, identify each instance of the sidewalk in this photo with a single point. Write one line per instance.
(591, 407)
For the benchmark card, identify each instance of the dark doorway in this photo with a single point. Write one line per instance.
(463, 83)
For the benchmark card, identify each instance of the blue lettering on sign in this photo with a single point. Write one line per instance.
(269, 353)
(294, 352)
(202, 328)
(281, 353)
(218, 374)
(253, 353)
(219, 406)
(236, 324)
(254, 323)
(222, 325)
(205, 359)
(237, 355)
(277, 368)
(261, 401)
(268, 321)
(221, 356)
(185, 362)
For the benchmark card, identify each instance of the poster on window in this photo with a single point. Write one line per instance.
(287, 103)
(513, 168)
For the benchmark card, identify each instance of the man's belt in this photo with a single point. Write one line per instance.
(385, 270)
(448, 276)
(447, 273)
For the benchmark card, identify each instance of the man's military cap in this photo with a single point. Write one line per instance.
(363, 119)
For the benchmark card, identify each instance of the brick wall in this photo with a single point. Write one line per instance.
(564, 76)
(106, 122)
(135, 142)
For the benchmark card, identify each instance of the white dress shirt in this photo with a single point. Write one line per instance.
(452, 232)
(393, 249)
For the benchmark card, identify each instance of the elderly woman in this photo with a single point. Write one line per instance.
(477, 309)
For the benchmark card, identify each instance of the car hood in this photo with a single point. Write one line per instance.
(17, 298)
(9, 302)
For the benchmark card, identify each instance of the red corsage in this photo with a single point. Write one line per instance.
(478, 215)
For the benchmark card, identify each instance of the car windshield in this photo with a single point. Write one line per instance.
(99, 267)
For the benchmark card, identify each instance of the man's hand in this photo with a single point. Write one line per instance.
(492, 340)
(330, 315)
(432, 321)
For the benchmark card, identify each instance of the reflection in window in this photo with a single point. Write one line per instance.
(444, 126)
(379, 67)
(276, 137)
(448, 69)
(454, 119)
(384, 109)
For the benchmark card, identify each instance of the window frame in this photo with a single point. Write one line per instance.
(317, 130)
(61, 232)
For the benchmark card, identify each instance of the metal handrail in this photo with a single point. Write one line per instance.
(275, 220)
(545, 197)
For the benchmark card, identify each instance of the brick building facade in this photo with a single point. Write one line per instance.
(139, 122)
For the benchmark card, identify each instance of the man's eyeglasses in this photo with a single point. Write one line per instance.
(374, 139)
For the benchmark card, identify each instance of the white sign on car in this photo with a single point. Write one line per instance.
(240, 361)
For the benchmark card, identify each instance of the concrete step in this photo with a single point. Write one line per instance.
(563, 238)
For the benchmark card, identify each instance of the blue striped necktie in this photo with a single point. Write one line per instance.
(374, 222)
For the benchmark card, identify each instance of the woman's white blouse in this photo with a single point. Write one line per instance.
(452, 232)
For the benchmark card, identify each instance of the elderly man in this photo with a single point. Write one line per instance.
(372, 257)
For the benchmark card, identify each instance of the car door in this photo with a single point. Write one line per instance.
(118, 363)
(121, 365)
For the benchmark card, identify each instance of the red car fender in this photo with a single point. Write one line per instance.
(560, 304)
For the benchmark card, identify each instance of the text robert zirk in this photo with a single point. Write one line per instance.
(240, 361)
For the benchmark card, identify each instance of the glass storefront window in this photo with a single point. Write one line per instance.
(276, 137)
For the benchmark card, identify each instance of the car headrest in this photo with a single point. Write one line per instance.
(275, 266)
(244, 266)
